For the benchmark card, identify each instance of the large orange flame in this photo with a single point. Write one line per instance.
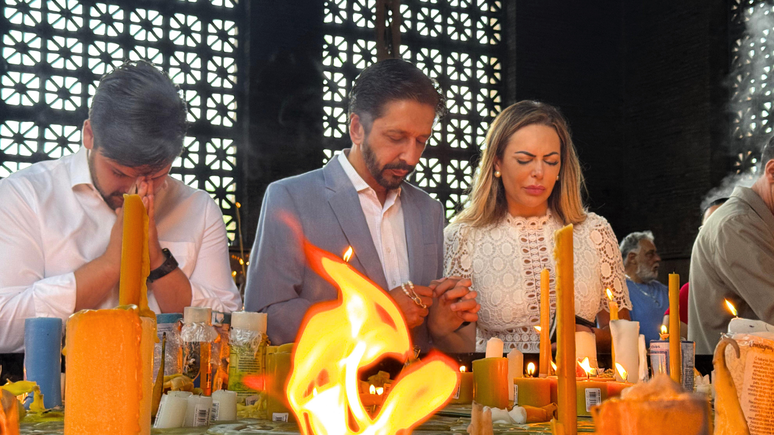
(339, 337)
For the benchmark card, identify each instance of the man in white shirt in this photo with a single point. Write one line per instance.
(61, 232)
(360, 199)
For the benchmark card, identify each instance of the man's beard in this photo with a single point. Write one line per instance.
(646, 274)
(113, 200)
(389, 182)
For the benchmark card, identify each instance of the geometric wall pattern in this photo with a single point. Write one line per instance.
(457, 42)
(751, 80)
(55, 51)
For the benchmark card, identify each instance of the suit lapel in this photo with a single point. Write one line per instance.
(412, 222)
(346, 206)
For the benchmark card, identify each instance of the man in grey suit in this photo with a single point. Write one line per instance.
(360, 199)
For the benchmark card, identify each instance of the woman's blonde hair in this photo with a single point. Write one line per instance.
(487, 204)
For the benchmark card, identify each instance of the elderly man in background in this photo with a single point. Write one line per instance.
(649, 297)
(733, 258)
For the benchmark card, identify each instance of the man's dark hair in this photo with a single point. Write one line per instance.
(392, 80)
(138, 116)
(766, 154)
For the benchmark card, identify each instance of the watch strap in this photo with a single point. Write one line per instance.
(166, 267)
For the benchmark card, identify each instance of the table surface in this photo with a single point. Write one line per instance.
(454, 419)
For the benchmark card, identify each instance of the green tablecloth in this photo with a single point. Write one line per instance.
(454, 419)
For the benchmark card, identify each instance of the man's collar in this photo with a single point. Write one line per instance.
(79, 168)
(756, 202)
(354, 177)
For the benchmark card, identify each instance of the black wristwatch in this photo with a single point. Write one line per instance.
(166, 267)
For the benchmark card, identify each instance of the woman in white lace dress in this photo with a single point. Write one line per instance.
(528, 186)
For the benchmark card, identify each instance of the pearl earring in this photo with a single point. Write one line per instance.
(497, 174)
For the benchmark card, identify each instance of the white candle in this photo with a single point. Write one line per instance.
(172, 410)
(198, 411)
(515, 368)
(223, 405)
(494, 348)
(626, 338)
(586, 346)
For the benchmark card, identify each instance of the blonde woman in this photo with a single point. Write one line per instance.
(529, 185)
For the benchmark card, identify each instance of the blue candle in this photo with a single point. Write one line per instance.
(43, 357)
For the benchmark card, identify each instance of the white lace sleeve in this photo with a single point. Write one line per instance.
(611, 266)
(457, 251)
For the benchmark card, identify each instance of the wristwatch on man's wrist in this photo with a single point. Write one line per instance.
(166, 267)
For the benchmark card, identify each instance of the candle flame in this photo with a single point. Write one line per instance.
(538, 328)
(379, 391)
(233, 273)
(622, 372)
(731, 307)
(372, 389)
(241, 262)
(463, 369)
(609, 294)
(664, 329)
(531, 369)
(238, 205)
(553, 366)
(314, 392)
(348, 254)
(586, 365)
(338, 338)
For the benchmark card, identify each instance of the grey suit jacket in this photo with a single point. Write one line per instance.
(323, 206)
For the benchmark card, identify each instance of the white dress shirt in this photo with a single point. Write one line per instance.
(53, 221)
(386, 225)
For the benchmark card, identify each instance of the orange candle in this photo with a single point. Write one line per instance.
(614, 388)
(135, 263)
(675, 354)
(552, 381)
(613, 316)
(490, 382)
(545, 317)
(565, 331)
(464, 392)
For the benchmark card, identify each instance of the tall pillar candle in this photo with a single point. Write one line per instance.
(135, 263)
(565, 331)
(43, 357)
(490, 382)
(675, 360)
(545, 325)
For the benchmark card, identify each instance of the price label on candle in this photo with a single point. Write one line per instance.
(457, 393)
(515, 394)
(593, 398)
(280, 416)
(202, 416)
(215, 411)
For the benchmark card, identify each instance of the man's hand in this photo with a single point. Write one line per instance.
(111, 259)
(145, 190)
(455, 303)
(414, 313)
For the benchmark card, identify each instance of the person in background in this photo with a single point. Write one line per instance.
(528, 186)
(733, 259)
(649, 296)
(706, 213)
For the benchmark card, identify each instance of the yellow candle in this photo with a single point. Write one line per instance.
(490, 382)
(545, 317)
(278, 365)
(531, 391)
(464, 392)
(565, 332)
(590, 392)
(613, 305)
(675, 353)
(135, 264)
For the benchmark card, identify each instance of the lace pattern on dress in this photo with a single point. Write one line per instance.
(504, 262)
